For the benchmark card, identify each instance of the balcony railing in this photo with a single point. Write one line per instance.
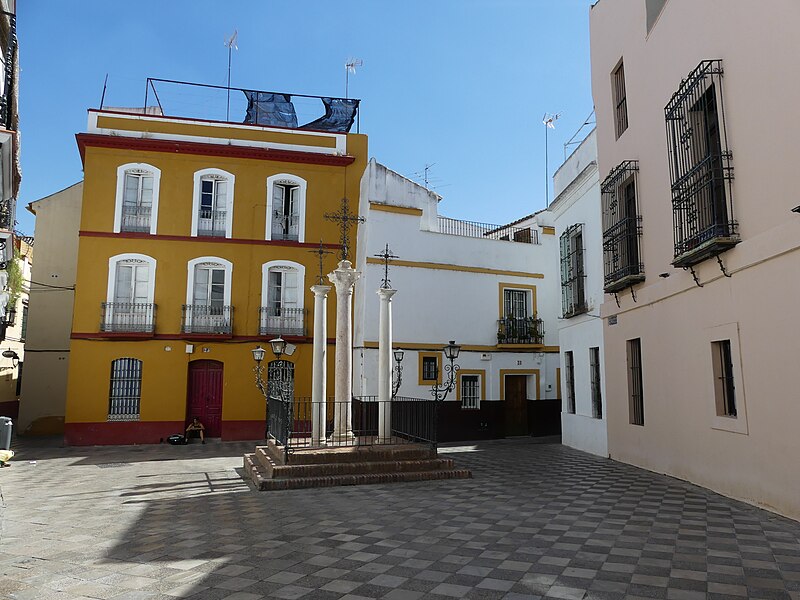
(282, 321)
(286, 227)
(136, 219)
(487, 231)
(523, 330)
(204, 318)
(211, 223)
(127, 317)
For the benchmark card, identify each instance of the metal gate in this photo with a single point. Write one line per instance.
(280, 394)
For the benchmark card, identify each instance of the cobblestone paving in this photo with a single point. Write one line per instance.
(537, 521)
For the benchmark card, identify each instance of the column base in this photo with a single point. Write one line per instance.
(342, 439)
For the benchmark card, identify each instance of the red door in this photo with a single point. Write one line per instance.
(204, 398)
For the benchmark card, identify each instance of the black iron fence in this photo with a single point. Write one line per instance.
(127, 317)
(524, 330)
(290, 423)
(136, 219)
(207, 318)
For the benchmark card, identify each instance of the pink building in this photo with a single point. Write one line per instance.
(697, 136)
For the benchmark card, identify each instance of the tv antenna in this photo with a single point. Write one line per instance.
(549, 122)
(350, 67)
(230, 43)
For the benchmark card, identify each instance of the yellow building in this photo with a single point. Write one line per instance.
(196, 243)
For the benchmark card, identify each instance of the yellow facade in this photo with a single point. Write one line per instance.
(164, 356)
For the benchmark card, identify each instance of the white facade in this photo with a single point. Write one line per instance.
(451, 287)
(576, 185)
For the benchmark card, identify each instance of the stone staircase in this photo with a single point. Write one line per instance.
(268, 468)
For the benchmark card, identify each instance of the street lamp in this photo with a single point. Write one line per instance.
(278, 346)
(398, 371)
(258, 356)
(439, 392)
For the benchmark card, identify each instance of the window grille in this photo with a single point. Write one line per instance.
(470, 391)
(724, 388)
(622, 228)
(126, 389)
(569, 373)
(594, 374)
(635, 383)
(573, 292)
(620, 100)
(701, 167)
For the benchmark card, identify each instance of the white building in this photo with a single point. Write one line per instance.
(576, 214)
(463, 281)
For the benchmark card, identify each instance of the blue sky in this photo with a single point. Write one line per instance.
(459, 83)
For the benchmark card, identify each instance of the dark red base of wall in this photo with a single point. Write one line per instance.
(124, 433)
(10, 409)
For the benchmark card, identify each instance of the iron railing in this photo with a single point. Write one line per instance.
(413, 421)
(526, 235)
(128, 317)
(125, 391)
(136, 219)
(8, 46)
(282, 321)
(211, 223)
(286, 227)
(8, 217)
(524, 330)
(204, 318)
(253, 107)
(701, 167)
(573, 272)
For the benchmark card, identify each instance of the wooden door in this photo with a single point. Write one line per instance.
(516, 404)
(204, 397)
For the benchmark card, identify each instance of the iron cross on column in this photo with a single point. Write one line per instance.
(321, 252)
(386, 255)
(345, 219)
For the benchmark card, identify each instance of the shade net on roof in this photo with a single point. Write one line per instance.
(277, 110)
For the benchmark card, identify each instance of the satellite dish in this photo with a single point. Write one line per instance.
(289, 350)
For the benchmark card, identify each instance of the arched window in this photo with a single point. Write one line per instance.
(212, 203)
(208, 296)
(286, 207)
(282, 298)
(136, 204)
(129, 303)
(125, 391)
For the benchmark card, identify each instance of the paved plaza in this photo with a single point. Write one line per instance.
(536, 521)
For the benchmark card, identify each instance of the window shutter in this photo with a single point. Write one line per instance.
(122, 284)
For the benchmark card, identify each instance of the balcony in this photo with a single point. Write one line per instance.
(522, 330)
(211, 223)
(128, 317)
(286, 227)
(207, 319)
(136, 219)
(282, 321)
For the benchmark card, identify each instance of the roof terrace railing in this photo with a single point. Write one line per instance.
(218, 103)
(487, 231)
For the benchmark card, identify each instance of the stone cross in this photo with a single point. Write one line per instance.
(321, 252)
(386, 255)
(345, 219)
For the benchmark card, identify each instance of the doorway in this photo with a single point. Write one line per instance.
(516, 405)
(204, 396)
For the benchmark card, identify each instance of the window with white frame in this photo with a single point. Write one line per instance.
(213, 203)
(137, 198)
(129, 303)
(208, 307)
(286, 199)
(282, 310)
(125, 391)
(470, 391)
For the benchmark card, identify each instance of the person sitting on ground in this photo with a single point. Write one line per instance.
(195, 429)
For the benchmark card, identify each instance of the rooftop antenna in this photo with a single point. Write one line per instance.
(103, 97)
(231, 45)
(350, 67)
(590, 120)
(548, 120)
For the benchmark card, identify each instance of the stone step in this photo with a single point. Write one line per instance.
(264, 483)
(354, 468)
(350, 454)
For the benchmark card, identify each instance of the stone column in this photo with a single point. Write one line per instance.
(320, 371)
(385, 366)
(343, 278)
